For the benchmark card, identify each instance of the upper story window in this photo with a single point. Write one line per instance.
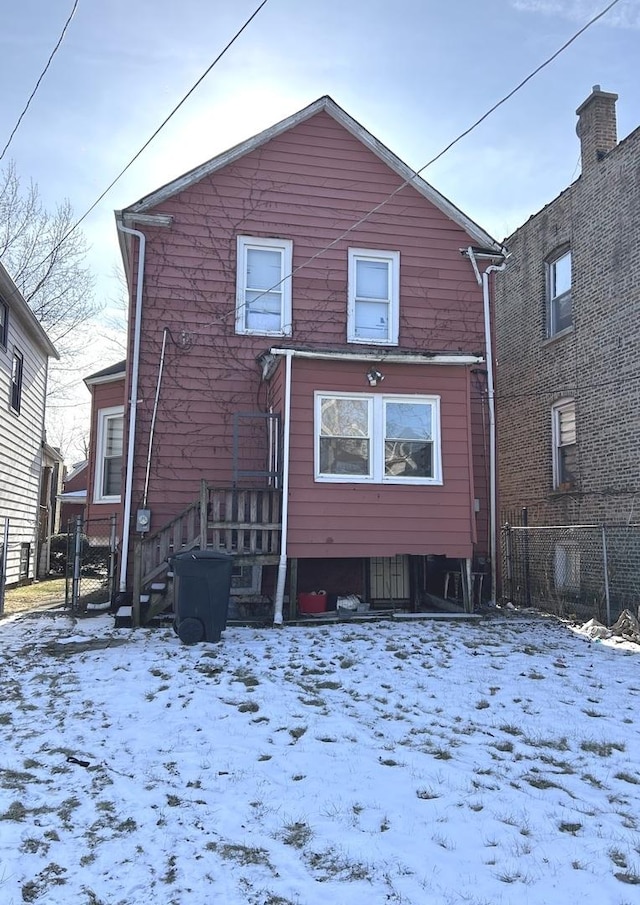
(564, 444)
(559, 315)
(379, 439)
(108, 478)
(4, 324)
(15, 390)
(263, 297)
(374, 296)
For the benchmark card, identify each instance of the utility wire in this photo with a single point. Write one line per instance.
(416, 173)
(165, 120)
(42, 75)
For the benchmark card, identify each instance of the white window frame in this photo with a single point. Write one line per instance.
(285, 247)
(392, 258)
(253, 587)
(103, 418)
(4, 324)
(553, 298)
(376, 435)
(557, 410)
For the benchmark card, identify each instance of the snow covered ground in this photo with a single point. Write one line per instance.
(427, 762)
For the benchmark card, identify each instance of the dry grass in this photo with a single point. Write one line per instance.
(36, 596)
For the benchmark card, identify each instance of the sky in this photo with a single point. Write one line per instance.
(415, 73)
(449, 763)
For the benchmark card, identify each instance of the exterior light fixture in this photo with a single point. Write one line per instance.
(374, 377)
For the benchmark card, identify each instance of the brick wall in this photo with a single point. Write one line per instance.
(596, 361)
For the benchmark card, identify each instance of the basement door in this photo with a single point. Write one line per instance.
(389, 577)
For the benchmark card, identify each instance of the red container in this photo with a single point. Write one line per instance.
(312, 603)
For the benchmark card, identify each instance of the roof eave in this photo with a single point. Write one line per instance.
(328, 105)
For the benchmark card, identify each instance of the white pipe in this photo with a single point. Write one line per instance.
(282, 564)
(133, 404)
(493, 489)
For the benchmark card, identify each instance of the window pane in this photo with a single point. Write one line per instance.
(562, 312)
(408, 459)
(567, 464)
(344, 418)
(263, 311)
(408, 421)
(264, 268)
(112, 476)
(372, 320)
(561, 275)
(567, 425)
(113, 440)
(372, 279)
(344, 456)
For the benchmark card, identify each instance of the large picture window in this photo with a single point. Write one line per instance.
(559, 313)
(263, 298)
(374, 289)
(377, 438)
(108, 479)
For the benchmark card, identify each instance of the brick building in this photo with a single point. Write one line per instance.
(567, 332)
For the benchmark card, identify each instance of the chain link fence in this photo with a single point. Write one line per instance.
(588, 571)
(90, 560)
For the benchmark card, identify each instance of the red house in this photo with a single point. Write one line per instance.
(307, 366)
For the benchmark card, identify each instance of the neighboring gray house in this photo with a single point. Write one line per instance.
(25, 350)
(568, 375)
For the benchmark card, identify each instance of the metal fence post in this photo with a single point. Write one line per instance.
(605, 564)
(508, 558)
(527, 577)
(4, 554)
(77, 556)
(112, 557)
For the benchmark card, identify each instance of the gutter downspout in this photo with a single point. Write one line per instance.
(282, 564)
(133, 403)
(493, 505)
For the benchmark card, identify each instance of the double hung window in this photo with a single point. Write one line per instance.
(374, 289)
(376, 438)
(564, 444)
(108, 479)
(263, 297)
(559, 314)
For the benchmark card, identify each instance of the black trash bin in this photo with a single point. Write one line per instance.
(202, 584)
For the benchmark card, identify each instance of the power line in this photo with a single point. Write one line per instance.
(166, 120)
(448, 147)
(42, 75)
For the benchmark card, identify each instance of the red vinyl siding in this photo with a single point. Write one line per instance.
(103, 396)
(363, 519)
(309, 184)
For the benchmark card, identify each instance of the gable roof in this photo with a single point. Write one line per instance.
(13, 298)
(106, 375)
(329, 106)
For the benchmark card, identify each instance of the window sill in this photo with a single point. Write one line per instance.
(561, 334)
(364, 341)
(563, 490)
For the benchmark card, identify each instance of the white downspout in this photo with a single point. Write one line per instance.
(491, 395)
(282, 564)
(133, 404)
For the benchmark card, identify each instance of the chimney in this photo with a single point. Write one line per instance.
(596, 127)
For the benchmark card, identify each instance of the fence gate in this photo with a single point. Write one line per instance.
(91, 564)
